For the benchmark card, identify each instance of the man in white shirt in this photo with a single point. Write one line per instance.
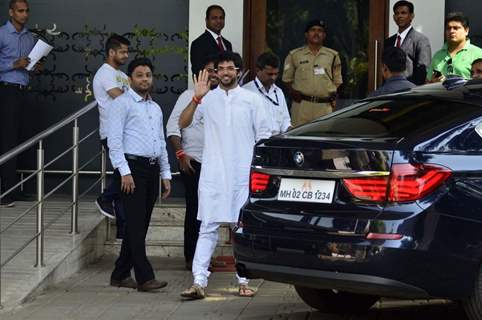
(234, 120)
(138, 153)
(109, 83)
(267, 71)
(211, 41)
(188, 144)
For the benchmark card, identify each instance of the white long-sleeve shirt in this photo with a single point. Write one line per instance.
(275, 103)
(135, 127)
(192, 136)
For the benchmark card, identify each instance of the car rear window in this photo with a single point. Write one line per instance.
(391, 119)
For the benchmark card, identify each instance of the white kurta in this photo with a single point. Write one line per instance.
(233, 122)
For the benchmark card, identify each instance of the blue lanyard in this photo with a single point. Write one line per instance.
(276, 103)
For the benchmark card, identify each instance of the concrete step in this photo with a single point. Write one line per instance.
(171, 248)
(64, 253)
(165, 236)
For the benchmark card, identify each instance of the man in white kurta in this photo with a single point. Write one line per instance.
(234, 120)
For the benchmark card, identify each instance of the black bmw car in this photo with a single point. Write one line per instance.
(380, 199)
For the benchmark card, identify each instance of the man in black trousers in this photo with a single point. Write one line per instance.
(210, 42)
(188, 144)
(137, 149)
(16, 42)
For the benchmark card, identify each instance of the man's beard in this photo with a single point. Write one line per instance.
(119, 62)
(214, 85)
(142, 91)
(231, 83)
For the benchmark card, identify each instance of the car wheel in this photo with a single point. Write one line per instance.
(332, 301)
(473, 304)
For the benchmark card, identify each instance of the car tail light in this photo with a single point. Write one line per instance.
(407, 182)
(412, 182)
(384, 236)
(370, 188)
(259, 182)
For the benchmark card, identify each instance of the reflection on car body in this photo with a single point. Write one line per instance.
(399, 205)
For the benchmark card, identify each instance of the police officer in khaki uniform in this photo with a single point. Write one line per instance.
(312, 75)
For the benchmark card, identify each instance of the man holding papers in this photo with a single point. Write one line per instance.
(16, 42)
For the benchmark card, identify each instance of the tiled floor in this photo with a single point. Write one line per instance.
(87, 295)
(19, 276)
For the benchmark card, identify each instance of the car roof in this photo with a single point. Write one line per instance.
(451, 89)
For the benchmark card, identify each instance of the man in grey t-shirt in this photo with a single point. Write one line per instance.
(109, 83)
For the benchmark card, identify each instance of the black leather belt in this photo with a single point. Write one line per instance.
(315, 99)
(154, 161)
(14, 85)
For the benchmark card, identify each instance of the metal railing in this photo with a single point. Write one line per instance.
(41, 196)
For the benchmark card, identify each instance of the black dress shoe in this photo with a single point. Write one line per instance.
(125, 283)
(151, 285)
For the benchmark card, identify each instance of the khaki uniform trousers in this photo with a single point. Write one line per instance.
(306, 111)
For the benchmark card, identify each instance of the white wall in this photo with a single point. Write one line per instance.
(233, 29)
(429, 19)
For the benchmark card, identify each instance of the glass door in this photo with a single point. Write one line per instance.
(356, 29)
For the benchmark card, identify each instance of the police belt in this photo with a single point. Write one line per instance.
(315, 99)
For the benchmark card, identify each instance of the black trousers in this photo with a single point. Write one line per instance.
(137, 209)
(12, 100)
(191, 223)
(112, 194)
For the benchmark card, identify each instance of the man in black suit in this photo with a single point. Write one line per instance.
(210, 42)
(415, 44)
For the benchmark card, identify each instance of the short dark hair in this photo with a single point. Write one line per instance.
(114, 42)
(210, 58)
(478, 60)
(267, 59)
(12, 3)
(403, 3)
(213, 7)
(395, 59)
(139, 62)
(229, 56)
(457, 17)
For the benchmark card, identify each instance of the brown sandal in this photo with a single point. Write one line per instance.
(245, 291)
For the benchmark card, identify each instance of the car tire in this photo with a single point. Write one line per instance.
(473, 304)
(332, 301)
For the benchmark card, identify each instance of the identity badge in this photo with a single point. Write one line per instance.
(319, 71)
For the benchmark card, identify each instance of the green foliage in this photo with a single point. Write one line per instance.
(347, 23)
(152, 35)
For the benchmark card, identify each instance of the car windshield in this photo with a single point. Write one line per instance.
(390, 119)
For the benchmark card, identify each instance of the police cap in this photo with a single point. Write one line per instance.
(315, 23)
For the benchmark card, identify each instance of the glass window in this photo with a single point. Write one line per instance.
(347, 24)
(391, 119)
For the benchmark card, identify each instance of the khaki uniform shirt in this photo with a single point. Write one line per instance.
(313, 75)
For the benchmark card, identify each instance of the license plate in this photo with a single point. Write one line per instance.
(306, 190)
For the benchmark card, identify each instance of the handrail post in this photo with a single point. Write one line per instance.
(103, 168)
(74, 228)
(39, 260)
(103, 182)
(1, 307)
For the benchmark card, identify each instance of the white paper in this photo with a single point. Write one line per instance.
(40, 50)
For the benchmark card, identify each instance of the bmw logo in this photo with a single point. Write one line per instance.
(299, 158)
